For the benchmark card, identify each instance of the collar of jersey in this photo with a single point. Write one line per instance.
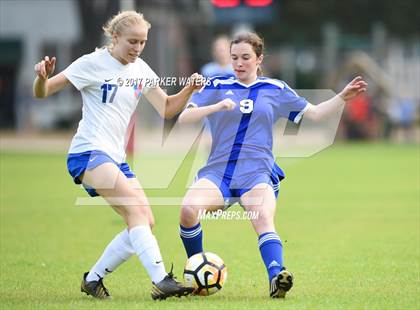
(114, 60)
(248, 85)
(233, 80)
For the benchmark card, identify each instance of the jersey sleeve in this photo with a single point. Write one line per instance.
(206, 96)
(150, 78)
(79, 72)
(291, 105)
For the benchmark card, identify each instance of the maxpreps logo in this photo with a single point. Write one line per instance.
(137, 90)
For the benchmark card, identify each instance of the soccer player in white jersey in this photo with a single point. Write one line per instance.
(96, 156)
(241, 112)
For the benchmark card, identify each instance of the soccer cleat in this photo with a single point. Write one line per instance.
(169, 287)
(281, 284)
(94, 288)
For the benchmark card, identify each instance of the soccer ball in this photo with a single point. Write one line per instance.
(206, 273)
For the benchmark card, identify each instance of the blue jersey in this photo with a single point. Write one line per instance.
(242, 139)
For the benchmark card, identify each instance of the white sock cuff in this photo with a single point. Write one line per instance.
(121, 245)
(142, 239)
(142, 228)
(147, 249)
(124, 238)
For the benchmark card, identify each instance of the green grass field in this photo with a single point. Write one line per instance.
(348, 218)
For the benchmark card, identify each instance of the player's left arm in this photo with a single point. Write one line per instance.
(354, 88)
(169, 106)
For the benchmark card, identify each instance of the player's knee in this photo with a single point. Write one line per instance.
(263, 222)
(265, 218)
(189, 213)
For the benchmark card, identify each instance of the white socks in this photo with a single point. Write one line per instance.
(145, 245)
(138, 240)
(117, 252)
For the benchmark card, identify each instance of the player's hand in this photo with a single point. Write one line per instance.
(45, 67)
(196, 81)
(225, 105)
(352, 89)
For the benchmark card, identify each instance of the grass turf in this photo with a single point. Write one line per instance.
(348, 218)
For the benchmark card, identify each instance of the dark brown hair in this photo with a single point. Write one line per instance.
(252, 39)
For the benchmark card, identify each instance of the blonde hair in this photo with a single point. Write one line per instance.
(123, 20)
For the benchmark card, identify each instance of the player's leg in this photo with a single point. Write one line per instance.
(202, 196)
(119, 249)
(109, 182)
(132, 204)
(168, 286)
(117, 252)
(261, 198)
(135, 184)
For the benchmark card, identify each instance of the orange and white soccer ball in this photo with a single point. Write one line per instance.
(206, 273)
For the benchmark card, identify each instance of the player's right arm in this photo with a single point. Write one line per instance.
(45, 86)
(323, 109)
(193, 113)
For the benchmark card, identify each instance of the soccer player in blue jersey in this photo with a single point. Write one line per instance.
(241, 111)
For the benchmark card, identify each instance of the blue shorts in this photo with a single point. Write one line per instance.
(233, 188)
(77, 163)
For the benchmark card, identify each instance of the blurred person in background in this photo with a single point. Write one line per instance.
(242, 111)
(111, 80)
(221, 64)
(357, 118)
(403, 115)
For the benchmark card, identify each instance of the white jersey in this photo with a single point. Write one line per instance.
(110, 93)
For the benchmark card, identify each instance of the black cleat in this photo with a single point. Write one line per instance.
(94, 288)
(169, 287)
(281, 284)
